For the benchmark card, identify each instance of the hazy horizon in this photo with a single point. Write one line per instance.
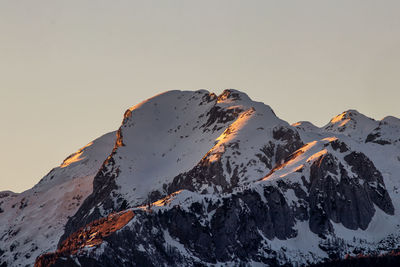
(69, 70)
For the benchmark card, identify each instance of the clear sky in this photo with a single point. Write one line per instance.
(69, 69)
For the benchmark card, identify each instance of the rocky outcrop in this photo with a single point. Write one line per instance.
(337, 196)
(291, 142)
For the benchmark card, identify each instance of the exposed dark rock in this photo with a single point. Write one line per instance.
(346, 200)
(338, 145)
(209, 173)
(220, 115)
(267, 154)
(374, 138)
(373, 180)
(229, 94)
(207, 98)
(291, 140)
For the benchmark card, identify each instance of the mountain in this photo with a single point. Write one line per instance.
(196, 179)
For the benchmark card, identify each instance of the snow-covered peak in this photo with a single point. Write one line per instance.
(351, 123)
(386, 133)
(306, 126)
(175, 130)
(233, 96)
(391, 120)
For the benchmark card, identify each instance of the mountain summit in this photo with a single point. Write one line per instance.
(195, 179)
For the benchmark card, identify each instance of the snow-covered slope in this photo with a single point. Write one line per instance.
(32, 222)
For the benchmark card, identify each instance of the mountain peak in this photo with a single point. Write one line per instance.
(305, 126)
(347, 115)
(233, 95)
(351, 123)
(185, 127)
(391, 120)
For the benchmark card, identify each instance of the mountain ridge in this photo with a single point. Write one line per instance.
(218, 164)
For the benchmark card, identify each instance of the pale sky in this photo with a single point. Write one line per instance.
(69, 69)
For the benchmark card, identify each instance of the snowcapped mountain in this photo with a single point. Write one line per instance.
(352, 124)
(193, 178)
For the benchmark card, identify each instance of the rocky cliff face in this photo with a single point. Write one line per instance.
(213, 180)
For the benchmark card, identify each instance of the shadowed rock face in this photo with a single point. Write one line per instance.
(203, 173)
(291, 139)
(349, 201)
(374, 137)
(387, 133)
(218, 115)
(373, 180)
(343, 201)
